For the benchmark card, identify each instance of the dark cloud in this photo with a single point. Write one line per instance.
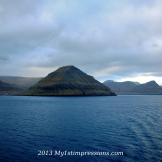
(3, 59)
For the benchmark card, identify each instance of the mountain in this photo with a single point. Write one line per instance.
(8, 89)
(129, 87)
(20, 82)
(69, 81)
(121, 87)
(148, 88)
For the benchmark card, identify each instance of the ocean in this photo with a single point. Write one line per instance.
(81, 129)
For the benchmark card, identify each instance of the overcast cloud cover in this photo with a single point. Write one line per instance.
(110, 39)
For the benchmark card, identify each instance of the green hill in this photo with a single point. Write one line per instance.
(69, 81)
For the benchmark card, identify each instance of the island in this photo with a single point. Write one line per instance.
(69, 81)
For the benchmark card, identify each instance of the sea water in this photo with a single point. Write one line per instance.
(129, 128)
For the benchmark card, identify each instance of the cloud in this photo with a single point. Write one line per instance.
(3, 59)
(108, 39)
(142, 78)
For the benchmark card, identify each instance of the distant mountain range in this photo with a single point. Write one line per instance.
(20, 82)
(8, 89)
(128, 87)
(69, 81)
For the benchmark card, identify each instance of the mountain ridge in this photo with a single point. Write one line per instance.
(69, 81)
(128, 87)
(19, 81)
(8, 89)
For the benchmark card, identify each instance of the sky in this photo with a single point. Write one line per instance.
(111, 40)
